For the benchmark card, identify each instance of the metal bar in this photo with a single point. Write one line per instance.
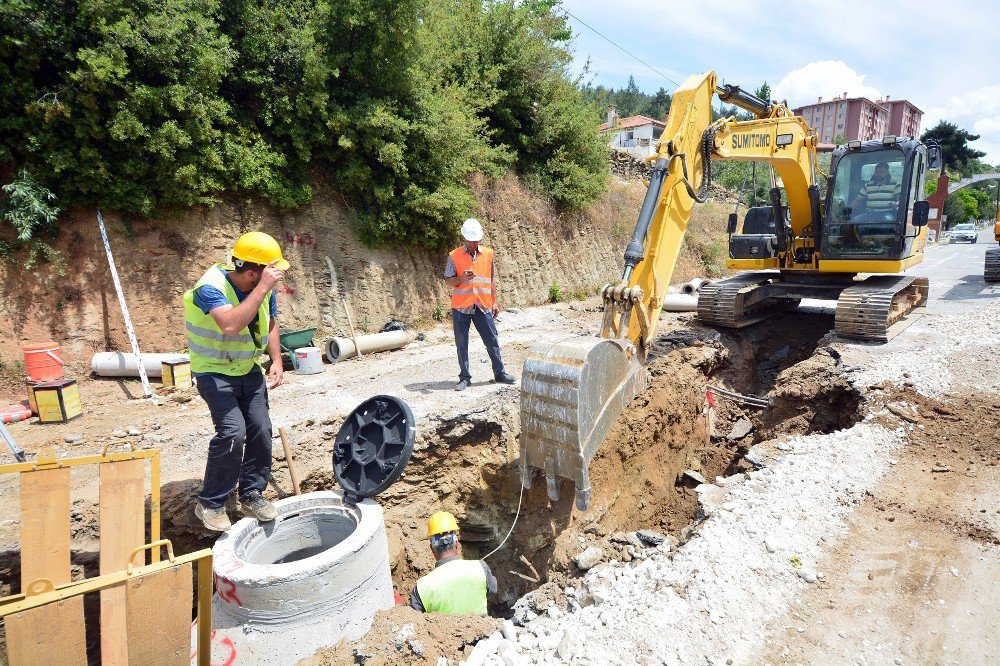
(47, 460)
(154, 501)
(14, 448)
(21, 602)
(147, 391)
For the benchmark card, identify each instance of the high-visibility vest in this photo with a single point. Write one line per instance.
(454, 587)
(480, 290)
(211, 349)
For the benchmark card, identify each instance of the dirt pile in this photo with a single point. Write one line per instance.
(814, 395)
(402, 635)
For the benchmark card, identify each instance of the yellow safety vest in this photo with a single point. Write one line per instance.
(211, 349)
(454, 587)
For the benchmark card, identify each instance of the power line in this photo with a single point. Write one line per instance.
(620, 48)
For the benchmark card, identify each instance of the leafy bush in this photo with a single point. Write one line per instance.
(138, 105)
(28, 209)
(555, 293)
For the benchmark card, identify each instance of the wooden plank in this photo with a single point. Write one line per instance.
(45, 526)
(50, 634)
(123, 529)
(159, 617)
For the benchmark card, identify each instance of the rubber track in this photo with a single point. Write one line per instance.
(992, 271)
(736, 302)
(877, 310)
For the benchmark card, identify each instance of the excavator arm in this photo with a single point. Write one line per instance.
(574, 389)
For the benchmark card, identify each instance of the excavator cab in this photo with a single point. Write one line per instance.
(873, 190)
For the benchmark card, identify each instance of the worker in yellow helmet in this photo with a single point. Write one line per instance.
(230, 319)
(456, 585)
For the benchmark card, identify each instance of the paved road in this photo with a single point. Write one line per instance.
(956, 274)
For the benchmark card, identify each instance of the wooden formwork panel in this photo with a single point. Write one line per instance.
(45, 509)
(122, 509)
(159, 617)
(50, 634)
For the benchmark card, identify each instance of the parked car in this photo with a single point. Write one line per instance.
(964, 232)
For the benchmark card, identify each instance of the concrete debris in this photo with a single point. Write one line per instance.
(73, 439)
(650, 538)
(741, 429)
(508, 630)
(626, 539)
(905, 411)
(694, 476)
(118, 433)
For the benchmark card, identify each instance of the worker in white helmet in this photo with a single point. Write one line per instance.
(470, 274)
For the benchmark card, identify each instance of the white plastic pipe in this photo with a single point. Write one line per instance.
(117, 364)
(340, 349)
(680, 303)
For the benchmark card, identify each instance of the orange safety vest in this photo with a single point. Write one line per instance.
(480, 290)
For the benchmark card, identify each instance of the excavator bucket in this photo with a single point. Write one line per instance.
(571, 393)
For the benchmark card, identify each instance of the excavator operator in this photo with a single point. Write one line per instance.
(880, 195)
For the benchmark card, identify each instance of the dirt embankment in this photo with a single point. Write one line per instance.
(159, 258)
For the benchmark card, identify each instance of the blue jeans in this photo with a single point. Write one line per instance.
(240, 453)
(487, 331)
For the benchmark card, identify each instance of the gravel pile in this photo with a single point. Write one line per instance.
(756, 548)
(938, 353)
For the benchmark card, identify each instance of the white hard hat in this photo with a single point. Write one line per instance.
(472, 230)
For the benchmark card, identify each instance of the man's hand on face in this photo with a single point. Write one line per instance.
(276, 375)
(271, 276)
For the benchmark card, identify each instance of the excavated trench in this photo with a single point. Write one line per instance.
(644, 475)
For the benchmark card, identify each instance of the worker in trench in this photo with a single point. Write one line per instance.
(471, 274)
(455, 585)
(230, 319)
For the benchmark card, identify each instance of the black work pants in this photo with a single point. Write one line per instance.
(240, 453)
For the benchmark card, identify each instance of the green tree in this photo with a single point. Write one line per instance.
(954, 143)
(960, 207)
(763, 91)
(656, 105)
(630, 99)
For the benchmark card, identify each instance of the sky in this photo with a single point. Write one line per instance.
(942, 56)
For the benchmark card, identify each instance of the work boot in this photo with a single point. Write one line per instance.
(504, 378)
(253, 505)
(216, 520)
(462, 385)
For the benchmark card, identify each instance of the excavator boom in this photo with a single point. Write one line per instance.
(573, 390)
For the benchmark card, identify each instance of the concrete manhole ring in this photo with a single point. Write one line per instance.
(315, 575)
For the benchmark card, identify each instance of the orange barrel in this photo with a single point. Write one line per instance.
(42, 362)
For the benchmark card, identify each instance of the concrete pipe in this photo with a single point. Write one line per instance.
(680, 303)
(119, 364)
(314, 576)
(339, 349)
(694, 286)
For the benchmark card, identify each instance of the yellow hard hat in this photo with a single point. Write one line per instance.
(259, 248)
(441, 522)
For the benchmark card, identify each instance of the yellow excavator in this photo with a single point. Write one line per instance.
(992, 270)
(811, 242)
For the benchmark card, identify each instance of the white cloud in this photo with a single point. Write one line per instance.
(826, 79)
(978, 112)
